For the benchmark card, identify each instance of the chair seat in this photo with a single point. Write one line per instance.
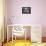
(18, 33)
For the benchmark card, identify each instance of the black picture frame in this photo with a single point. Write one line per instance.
(26, 10)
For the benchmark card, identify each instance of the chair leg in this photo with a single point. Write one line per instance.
(15, 38)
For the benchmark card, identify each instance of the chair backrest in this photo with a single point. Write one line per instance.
(18, 30)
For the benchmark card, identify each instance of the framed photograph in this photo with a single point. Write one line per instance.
(26, 10)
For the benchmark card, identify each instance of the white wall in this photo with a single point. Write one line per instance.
(37, 16)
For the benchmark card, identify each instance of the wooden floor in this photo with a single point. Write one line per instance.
(23, 43)
(18, 43)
